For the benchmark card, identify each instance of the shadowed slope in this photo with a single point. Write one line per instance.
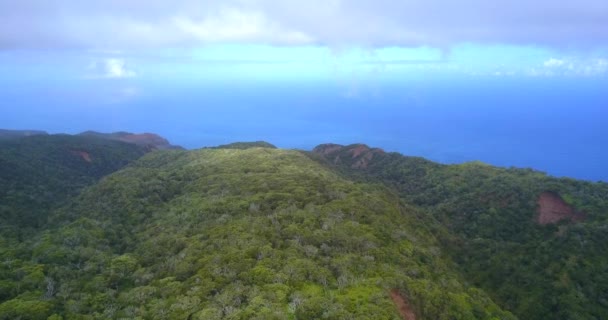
(40, 172)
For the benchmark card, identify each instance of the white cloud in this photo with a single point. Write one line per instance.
(120, 24)
(116, 68)
(552, 63)
(233, 25)
(113, 68)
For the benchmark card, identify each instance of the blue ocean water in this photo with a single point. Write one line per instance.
(558, 126)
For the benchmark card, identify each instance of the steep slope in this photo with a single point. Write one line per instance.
(258, 233)
(38, 173)
(537, 255)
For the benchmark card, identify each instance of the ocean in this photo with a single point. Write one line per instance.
(558, 126)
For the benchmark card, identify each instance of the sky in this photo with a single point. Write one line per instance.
(511, 83)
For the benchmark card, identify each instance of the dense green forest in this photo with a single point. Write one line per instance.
(94, 229)
(39, 173)
(552, 271)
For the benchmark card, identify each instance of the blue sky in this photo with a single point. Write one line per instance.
(507, 82)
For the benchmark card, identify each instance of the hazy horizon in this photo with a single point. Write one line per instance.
(507, 83)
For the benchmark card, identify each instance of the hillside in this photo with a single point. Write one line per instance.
(40, 172)
(255, 233)
(535, 243)
(94, 229)
(150, 141)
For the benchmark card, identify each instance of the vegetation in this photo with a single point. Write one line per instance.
(233, 234)
(91, 229)
(556, 271)
(40, 173)
(246, 145)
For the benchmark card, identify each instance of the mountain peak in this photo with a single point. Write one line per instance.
(357, 156)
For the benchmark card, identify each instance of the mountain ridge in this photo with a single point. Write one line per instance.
(149, 140)
(500, 219)
(13, 134)
(247, 231)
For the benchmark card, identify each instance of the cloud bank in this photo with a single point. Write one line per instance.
(124, 24)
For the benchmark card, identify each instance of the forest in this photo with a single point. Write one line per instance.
(100, 229)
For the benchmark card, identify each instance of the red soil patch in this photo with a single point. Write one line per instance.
(83, 154)
(552, 208)
(402, 305)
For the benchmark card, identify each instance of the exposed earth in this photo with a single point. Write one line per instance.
(552, 209)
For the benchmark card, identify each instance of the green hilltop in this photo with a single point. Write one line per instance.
(249, 231)
(246, 145)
